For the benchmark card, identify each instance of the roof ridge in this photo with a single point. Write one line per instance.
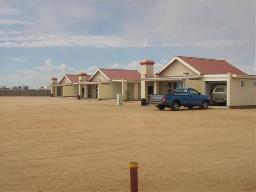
(118, 69)
(202, 58)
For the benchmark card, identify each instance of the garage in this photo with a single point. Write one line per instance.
(217, 92)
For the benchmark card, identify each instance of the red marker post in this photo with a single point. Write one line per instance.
(134, 176)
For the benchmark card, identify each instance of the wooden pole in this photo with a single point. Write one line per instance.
(134, 176)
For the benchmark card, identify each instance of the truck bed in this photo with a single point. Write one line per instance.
(155, 99)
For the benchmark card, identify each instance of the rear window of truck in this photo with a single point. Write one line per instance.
(181, 91)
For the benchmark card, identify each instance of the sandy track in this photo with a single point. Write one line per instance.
(56, 144)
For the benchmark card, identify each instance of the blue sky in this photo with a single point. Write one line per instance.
(44, 38)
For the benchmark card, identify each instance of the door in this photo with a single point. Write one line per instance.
(82, 93)
(59, 91)
(184, 95)
(150, 90)
(194, 97)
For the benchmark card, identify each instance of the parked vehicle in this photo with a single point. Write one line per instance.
(219, 94)
(187, 97)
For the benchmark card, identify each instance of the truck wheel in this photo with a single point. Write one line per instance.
(204, 105)
(175, 106)
(161, 107)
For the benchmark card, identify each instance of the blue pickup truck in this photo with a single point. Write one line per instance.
(186, 97)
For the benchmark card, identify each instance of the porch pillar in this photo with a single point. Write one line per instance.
(143, 89)
(136, 91)
(156, 87)
(54, 86)
(98, 91)
(229, 79)
(124, 90)
(79, 90)
(85, 91)
(53, 90)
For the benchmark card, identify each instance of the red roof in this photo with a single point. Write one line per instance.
(73, 78)
(211, 66)
(147, 62)
(118, 74)
(88, 77)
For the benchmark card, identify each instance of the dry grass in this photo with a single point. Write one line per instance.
(66, 145)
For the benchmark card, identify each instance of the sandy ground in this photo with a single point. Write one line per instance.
(66, 145)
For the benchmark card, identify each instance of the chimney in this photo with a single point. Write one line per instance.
(54, 80)
(82, 77)
(147, 68)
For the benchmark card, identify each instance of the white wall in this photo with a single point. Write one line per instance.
(99, 77)
(176, 69)
(70, 90)
(241, 96)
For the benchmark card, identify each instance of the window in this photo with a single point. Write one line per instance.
(180, 91)
(173, 85)
(254, 83)
(169, 88)
(193, 92)
(242, 83)
(180, 84)
(219, 89)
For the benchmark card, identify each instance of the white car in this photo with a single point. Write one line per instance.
(219, 94)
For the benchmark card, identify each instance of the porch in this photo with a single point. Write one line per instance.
(160, 86)
(109, 89)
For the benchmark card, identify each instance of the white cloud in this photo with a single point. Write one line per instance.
(8, 11)
(12, 59)
(90, 70)
(14, 22)
(217, 43)
(136, 66)
(187, 23)
(68, 40)
(172, 23)
(41, 74)
(131, 65)
(7, 8)
(9, 33)
(37, 76)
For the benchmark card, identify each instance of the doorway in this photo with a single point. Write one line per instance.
(82, 96)
(59, 91)
(217, 92)
(92, 91)
(150, 90)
